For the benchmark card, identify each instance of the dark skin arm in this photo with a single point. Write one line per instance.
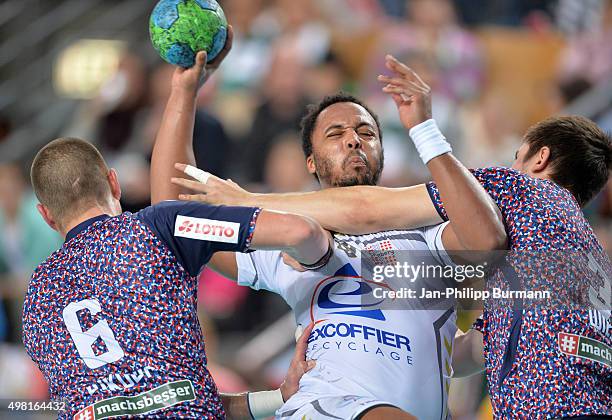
(174, 141)
(300, 237)
(465, 200)
(369, 209)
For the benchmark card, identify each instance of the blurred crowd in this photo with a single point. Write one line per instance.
(495, 68)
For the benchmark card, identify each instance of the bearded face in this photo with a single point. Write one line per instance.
(346, 147)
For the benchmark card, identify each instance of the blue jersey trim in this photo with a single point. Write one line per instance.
(84, 225)
(436, 203)
(515, 330)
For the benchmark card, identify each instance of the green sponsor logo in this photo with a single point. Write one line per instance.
(163, 396)
(587, 348)
(595, 350)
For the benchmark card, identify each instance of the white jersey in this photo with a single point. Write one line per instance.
(401, 357)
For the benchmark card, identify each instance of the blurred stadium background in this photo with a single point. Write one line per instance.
(86, 68)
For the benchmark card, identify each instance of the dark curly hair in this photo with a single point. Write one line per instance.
(312, 113)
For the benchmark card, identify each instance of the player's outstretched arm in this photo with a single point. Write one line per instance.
(467, 203)
(353, 210)
(174, 141)
(263, 404)
(299, 236)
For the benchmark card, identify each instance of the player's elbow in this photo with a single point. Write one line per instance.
(298, 230)
(490, 236)
(497, 240)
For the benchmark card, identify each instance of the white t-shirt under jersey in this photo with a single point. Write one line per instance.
(402, 357)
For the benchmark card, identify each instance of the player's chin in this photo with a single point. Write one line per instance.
(356, 178)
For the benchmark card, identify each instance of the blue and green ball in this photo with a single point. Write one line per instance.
(181, 28)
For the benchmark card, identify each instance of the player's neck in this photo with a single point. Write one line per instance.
(541, 175)
(86, 215)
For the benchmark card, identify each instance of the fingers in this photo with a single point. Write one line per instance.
(180, 166)
(202, 176)
(398, 90)
(200, 61)
(306, 366)
(230, 39)
(310, 365)
(190, 185)
(196, 173)
(400, 68)
(226, 48)
(193, 197)
(398, 81)
(399, 101)
(395, 65)
(302, 344)
(408, 84)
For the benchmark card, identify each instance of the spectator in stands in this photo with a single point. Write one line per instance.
(284, 170)
(588, 54)
(283, 101)
(25, 241)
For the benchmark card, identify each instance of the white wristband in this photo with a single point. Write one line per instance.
(197, 174)
(264, 404)
(429, 140)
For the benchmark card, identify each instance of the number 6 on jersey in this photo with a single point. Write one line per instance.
(84, 340)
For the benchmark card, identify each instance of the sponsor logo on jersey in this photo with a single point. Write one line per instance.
(586, 348)
(206, 229)
(343, 294)
(163, 396)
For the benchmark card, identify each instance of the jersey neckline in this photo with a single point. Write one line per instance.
(84, 225)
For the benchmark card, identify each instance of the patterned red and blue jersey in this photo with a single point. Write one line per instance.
(110, 318)
(540, 362)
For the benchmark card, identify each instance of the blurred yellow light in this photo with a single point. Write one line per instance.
(82, 67)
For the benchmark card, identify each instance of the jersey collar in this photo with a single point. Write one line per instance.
(84, 225)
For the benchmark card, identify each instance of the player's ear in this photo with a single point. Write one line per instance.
(46, 215)
(541, 160)
(113, 181)
(310, 164)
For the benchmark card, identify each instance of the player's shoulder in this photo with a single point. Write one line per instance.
(170, 207)
(510, 179)
(51, 264)
(499, 174)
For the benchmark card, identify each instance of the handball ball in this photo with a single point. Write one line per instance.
(181, 28)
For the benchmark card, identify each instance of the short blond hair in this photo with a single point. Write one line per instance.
(69, 176)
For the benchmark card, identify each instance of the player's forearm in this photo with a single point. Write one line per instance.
(476, 220)
(468, 358)
(174, 143)
(358, 210)
(252, 405)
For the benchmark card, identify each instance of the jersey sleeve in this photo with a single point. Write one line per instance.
(500, 183)
(433, 239)
(479, 324)
(194, 231)
(259, 270)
